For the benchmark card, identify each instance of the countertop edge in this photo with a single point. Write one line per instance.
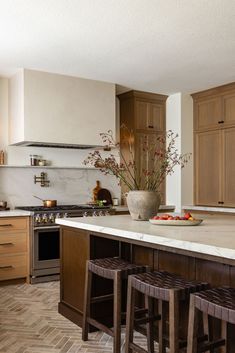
(153, 239)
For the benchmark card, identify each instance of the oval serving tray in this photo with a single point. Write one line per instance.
(175, 222)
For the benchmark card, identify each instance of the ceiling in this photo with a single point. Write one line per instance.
(163, 46)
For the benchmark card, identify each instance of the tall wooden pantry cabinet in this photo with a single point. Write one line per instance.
(145, 114)
(214, 146)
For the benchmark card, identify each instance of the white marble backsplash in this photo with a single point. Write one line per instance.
(67, 186)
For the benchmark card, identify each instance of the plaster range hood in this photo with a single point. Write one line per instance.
(55, 145)
(51, 110)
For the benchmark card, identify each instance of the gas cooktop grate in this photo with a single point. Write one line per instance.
(61, 208)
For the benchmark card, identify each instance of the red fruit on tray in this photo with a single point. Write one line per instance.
(156, 217)
(187, 215)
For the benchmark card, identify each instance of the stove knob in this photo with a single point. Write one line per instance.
(52, 218)
(65, 215)
(57, 215)
(38, 219)
(45, 218)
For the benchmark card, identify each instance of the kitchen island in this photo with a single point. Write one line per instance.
(205, 253)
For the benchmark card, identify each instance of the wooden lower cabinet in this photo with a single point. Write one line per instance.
(14, 248)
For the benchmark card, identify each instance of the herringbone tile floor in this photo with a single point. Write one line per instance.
(30, 323)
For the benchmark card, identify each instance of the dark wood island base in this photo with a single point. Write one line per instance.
(78, 245)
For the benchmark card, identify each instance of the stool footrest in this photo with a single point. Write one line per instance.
(100, 326)
(137, 349)
(102, 298)
(145, 320)
(212, 345)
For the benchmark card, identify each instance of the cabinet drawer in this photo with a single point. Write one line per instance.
(13, 243)
(11, 223)
(13, 267)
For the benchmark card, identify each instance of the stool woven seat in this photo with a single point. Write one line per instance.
(107, 267)
(218, 302)
(158, 285)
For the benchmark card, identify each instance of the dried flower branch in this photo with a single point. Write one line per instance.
(161, 154)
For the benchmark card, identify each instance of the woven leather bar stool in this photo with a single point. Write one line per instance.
(165, 287)
(114, 269)
(218, 303)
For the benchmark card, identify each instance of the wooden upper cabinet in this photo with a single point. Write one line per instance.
(208, 168)
(214, 108)
(149, 116)
(228, 178)
(208, 113)
(144, 114)
(229, 109)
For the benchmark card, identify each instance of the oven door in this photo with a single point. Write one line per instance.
(46, 247)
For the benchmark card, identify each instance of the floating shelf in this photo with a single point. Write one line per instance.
(47, 167)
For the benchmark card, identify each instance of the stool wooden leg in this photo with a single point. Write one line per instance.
(149, 325)
(174, 321)
(207, 329)
(224, 326)
(117, 289)
(161, 343)
(192, 327)
(87, 304)
(130, 316)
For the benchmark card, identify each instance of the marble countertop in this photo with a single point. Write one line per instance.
(209, 209)
(215, 237)
(15, 213)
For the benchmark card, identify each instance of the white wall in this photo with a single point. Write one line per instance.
(186, 147)
(179, 118)
(173, 122)
(3, 113)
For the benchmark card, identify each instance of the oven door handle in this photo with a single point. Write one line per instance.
(46, 228)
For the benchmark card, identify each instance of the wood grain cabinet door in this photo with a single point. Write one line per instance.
(149, 116)
(228, 179)
(229, 109)
(208, 113)
(141, 114)
(208, 166)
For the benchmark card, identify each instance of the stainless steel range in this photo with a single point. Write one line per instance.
(45, 237)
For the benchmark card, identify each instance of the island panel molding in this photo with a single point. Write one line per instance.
(214, 124)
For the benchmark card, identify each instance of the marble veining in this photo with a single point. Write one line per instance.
(214, 237)
(67, 186)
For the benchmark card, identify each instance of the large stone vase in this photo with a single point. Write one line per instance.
(142, 204)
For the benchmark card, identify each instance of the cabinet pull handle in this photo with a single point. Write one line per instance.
(221, 202)
(221, 122)
(150, 126)
(6, 225)
(5, 244)
(6, 267)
